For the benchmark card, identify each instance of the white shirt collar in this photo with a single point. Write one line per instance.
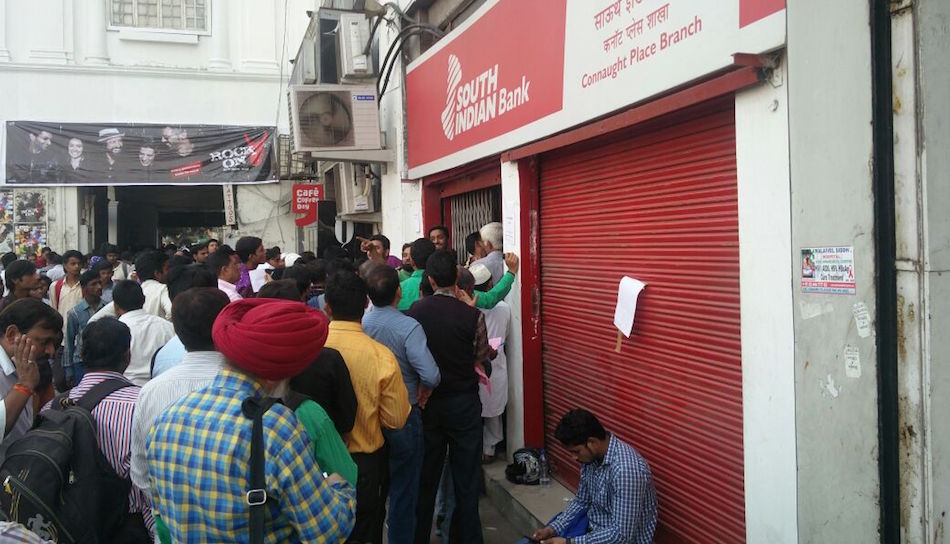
(6, 363)
(132, 314)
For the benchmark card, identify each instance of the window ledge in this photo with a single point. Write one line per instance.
(160, 37)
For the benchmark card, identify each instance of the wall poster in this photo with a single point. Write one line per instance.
(23, 221)
(828, 270)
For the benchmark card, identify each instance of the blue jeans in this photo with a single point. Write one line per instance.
(405, 468)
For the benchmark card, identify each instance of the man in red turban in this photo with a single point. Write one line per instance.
(199, 450)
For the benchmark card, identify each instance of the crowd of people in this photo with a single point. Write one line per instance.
(249, 395)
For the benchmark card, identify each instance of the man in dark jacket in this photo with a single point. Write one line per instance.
(457, 337)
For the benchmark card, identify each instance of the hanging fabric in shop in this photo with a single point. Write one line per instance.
(48, 153)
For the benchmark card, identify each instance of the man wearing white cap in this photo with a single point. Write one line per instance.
(112, 137)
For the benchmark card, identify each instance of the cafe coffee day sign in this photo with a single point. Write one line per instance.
(520, 70)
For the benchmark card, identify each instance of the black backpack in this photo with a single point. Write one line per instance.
(57, 482)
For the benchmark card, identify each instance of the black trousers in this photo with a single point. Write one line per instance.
(133, 531)
(455, 423)
(372, 487)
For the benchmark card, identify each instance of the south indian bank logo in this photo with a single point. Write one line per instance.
(479, 100)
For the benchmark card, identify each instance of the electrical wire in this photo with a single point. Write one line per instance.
(398, 42)
(283, 60)
(402, 14)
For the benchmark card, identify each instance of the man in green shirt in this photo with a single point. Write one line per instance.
(419, 253)
(487, 300)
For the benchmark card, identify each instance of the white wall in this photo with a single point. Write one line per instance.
(64, 65)
(829, 90)
(514, 346)
(402, 205)
(768, 341)
(933, 191)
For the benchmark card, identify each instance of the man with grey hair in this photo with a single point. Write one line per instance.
(492, 238)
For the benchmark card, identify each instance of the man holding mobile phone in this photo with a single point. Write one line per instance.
(616, 492)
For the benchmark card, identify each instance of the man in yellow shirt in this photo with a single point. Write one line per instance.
(382, 400)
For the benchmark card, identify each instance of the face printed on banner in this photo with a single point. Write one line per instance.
(176, 139)
(40, 142)
(114, 145)
(74, 148)
(171, 137)
(146, 155)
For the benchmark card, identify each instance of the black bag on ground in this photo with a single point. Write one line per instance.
(526, 468)
(56, 481)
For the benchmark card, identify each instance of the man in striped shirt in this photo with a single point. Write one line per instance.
(105, 354)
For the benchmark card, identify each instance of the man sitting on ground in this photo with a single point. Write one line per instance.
(616, 487)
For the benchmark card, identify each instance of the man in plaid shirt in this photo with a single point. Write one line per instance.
(616, 489)
(199, 449)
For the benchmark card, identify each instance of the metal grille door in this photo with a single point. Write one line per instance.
(470, 212)
(658, 204)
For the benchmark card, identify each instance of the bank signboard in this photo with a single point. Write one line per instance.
(48, 153)
(521, 70)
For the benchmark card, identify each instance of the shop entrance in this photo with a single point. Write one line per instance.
(153, 215)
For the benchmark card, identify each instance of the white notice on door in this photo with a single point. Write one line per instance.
(508, 226)
(627, 304)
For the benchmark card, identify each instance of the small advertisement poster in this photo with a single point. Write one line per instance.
(23, 217)
(30, 239)
(31, 206)
(6, 221)
(7, 242)
(307, 197)
(828, 270)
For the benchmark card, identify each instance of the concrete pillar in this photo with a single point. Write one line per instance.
(220, 60)
(96, 48)
(4, 52)
(113, 217)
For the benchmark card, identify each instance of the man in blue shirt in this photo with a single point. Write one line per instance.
(405, 338)
(105, 276)
(76, 321)
(616, 489)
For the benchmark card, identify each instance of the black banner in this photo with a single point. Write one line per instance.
(40, 153)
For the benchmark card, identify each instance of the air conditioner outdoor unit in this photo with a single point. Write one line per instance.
(353, 188)
(334, 118)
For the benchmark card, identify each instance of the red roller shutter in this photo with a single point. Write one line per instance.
(657, 203)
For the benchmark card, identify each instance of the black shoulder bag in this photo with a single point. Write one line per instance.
(254, 409)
